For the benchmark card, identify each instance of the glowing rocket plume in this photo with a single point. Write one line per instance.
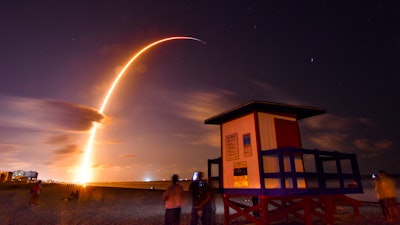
(84, 172)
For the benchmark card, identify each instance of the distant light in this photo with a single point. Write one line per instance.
(147, 179)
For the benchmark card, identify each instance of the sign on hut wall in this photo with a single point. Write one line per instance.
(247, 145)
(232, 148)
(240, 176)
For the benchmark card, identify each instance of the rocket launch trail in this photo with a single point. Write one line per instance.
(84, 174)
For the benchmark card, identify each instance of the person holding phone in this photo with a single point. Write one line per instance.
(201, 200)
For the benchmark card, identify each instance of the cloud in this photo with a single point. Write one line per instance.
(366, 121)
(128, 155)
(262, 90)
(383, 144)
(15, 164)
(99, 88)
(6, 149)
(110, 49)
(329, 140)
(46, 114)
(328, 121)
(59, 139)
(377, 145)
(67, 150)
(208, 136)
(96, 165)
(199, 106)
(332, 132)
(70, 116)
(100, 166)
(263, 85)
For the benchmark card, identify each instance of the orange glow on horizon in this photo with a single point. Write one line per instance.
(84, 174)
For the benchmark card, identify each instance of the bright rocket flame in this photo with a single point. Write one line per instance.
(84, 175)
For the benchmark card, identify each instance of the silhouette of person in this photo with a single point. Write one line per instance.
(35, 190)
(76, 194)
(385, 189)
(381, 202)
(201, 201)
(73, 196)
(173, 200)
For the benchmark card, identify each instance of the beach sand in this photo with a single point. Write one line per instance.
(111, 205)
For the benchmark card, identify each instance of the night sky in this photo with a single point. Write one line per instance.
(58, 59)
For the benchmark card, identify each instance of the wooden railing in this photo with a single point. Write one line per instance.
(323, 172)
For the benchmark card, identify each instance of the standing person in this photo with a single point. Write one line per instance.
(201, 201)
(385, 189)
(381, 202)
(35, 190)
(173, 200)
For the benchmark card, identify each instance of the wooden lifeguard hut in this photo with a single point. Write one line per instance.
(262, 159)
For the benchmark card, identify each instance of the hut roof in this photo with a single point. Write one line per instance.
(300, 112)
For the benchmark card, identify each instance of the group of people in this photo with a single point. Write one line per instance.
(201, 201)
(72, 196)
(385, 189)
(202, 208)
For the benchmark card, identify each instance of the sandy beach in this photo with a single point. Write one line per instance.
(112, 205)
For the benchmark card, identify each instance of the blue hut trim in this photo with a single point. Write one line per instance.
(317, 182)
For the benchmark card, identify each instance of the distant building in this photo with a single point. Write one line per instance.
(5, 176)
(27, 176)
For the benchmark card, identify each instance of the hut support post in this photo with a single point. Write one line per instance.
(304, 208)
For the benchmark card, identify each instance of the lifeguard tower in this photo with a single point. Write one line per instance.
(262, 158)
